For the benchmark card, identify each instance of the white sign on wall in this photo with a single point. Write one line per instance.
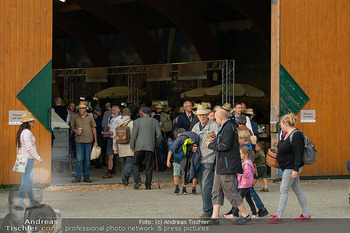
(15, 117)
(308, 115)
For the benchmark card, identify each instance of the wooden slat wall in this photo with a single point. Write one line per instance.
(314, 48)
(25, 48)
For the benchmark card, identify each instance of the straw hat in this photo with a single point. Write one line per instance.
(202, 110)
(159, 106)
(27, 117)
(82, 104)
(207, 104)
(195, 106)
(167, 109)
(227, 107)
(249, 111)
(181, 109)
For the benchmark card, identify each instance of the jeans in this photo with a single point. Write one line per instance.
(161, 153)
(126, 165)
(288, 182)
(280, 173)
(83, 158)
(205, 181)
(27, 183)
(139, 156)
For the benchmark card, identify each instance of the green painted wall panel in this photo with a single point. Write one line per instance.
(37, 95)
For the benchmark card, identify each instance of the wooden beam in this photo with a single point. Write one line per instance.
(275, 73)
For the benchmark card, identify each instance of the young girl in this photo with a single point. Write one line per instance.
(245, 180)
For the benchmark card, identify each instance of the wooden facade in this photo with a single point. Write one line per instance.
(314, 48)
(25, 48)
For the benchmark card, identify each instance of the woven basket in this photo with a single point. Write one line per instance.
(271, 158)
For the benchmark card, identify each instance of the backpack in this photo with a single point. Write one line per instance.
(310, 151)
(166, 122)
(122, 133)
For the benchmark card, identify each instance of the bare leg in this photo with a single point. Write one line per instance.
(216, 210)
(242, 209)
(176, 180)
(265, 182)
(254, 182)
(110, 162)
(194, 182)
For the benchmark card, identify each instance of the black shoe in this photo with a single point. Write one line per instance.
(87, 180)
(124, 180)
(184, 191)
(148, 187)
(177, 191)
(230, 212)
(76, 180)
(277, 180)
(113, 171)
(243, 220)
(211, 221)
(137, 185)
(263, 212)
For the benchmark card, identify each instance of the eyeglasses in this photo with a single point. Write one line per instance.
(188, 106)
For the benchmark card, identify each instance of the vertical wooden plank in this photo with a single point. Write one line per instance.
(275, 66)
(7, 73)
(2, 68)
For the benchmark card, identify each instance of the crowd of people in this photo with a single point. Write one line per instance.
(218, 148)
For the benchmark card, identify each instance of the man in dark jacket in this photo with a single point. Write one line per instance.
(59, 109)
(227, 164)
(185, 118)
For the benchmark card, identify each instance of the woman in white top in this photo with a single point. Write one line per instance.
(25, 141)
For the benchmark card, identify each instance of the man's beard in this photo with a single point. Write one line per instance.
(114, 115)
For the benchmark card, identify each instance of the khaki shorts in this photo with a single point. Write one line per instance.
(225, 186)
(178, 170)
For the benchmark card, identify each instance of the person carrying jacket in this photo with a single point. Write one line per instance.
(227, 164)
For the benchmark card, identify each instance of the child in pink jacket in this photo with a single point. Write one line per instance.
(245, 180)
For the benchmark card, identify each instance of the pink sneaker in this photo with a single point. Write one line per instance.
(274, 219)
(302, 218)
(230, 216)
(255, 217)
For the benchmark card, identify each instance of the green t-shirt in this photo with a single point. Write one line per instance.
(259, 158)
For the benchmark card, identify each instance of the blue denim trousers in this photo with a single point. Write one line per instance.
(27, 183)
(126, 165)
(280, 173)
(83, 157)
(205, 181)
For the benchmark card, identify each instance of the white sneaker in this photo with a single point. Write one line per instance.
(255, 217)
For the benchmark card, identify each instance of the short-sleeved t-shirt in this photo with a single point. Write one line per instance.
(86, 123)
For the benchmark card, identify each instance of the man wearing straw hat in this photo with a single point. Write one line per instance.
(160, 116)
(205, 128)
(84, 126)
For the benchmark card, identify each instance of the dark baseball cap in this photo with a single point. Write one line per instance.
(146, 110)
(97, 108)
